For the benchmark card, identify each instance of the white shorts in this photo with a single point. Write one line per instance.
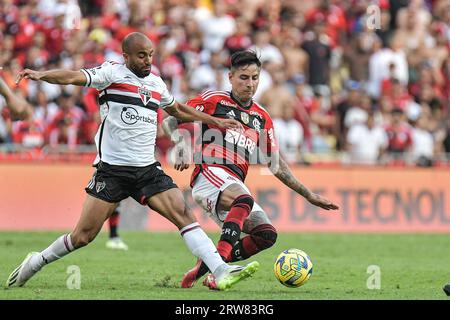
(208, 186)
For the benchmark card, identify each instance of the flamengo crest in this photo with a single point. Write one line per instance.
(145, 95)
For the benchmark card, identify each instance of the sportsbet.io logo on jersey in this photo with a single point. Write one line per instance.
(131, 116)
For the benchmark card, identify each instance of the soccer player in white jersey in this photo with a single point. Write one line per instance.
(129, 97)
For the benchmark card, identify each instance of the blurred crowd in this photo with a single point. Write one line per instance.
(354, 81)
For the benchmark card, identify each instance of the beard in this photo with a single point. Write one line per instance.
(140, 72)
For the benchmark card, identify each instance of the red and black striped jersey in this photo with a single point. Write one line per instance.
(234, 151)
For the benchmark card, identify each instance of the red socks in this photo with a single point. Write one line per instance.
(232, 226)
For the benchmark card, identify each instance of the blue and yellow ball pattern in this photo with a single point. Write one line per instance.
(293, 268)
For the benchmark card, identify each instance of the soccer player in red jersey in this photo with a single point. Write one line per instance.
(218, 178)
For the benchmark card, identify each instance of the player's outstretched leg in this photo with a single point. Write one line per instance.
(260, 238)
(191, 277)
(230, 276)
(171, 205)
(239, 209)
(22, 273)
(94, 214)
(239, 203)
(34, 261)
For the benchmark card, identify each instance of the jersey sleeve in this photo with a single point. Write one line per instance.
(201, 105)
(272, 143)
(99, 77)
(267, 142)
(167, 99)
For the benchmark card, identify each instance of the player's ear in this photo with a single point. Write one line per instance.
(230, 75)
(125, 57)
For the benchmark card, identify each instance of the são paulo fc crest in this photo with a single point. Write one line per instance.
(100, 185)
(145, 95)
(245, 118)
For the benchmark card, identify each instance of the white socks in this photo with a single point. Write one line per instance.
(194, 236)
(202, 246)
(57, 250)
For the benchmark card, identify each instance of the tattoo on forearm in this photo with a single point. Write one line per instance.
(285, 175)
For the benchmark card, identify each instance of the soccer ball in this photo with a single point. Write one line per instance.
(293, 267)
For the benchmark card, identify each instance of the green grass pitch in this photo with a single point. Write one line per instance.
(413, 266)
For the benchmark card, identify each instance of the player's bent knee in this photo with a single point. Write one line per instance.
(244, 199)
(264, 235)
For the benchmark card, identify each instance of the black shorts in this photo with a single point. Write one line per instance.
(115, 183)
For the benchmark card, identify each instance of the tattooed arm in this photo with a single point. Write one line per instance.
(282, 171)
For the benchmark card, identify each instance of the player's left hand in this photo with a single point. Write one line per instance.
(321, 202)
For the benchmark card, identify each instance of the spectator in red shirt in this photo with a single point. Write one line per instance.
(316, 45)
(56, 35)
(29, 133)
(65, 128)
(399, 134)
(24, 30)
(91, 120)
(400, 96)
(304, 106)
(240, 40)
(334, 18)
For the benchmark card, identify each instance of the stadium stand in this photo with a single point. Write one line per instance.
(355, 86)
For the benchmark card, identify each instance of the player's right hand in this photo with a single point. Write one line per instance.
(28, 74)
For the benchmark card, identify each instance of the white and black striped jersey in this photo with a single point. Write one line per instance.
(128, 108)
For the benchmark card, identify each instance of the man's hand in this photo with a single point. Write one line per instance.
(229, 124)
(321, 202)
(28, 74)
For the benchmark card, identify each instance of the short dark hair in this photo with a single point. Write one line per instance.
(129, 40)
(244, 58)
